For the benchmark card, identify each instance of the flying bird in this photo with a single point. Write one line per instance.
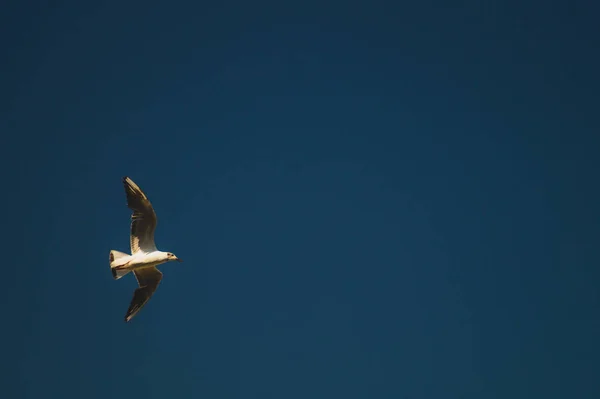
(144, 255)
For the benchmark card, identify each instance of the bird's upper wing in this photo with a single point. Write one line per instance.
(148, 280)
(143, 219)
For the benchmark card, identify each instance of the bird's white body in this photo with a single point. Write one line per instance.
(140, 260)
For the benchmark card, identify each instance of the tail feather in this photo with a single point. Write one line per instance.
(117, 274)
(113, 257)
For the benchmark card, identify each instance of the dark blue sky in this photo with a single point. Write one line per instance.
(375, 201)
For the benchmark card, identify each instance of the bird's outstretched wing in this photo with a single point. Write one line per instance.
(148, 280)
(143, 219)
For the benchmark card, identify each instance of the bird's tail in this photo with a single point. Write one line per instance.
(113, 261)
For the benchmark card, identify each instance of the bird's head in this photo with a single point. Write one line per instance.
(171, 257)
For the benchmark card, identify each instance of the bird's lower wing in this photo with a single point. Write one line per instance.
(148, 280)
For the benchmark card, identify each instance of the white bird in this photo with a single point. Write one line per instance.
(144, 256)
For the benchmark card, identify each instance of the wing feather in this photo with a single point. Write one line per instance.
(148, 280)
(143, 218)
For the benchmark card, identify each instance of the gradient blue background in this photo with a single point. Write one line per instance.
(372, 201)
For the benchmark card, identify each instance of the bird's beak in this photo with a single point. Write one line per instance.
(179, 260)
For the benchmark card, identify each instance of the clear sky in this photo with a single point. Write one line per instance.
(371, 201)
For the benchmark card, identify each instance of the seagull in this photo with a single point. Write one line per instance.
(144, 256)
